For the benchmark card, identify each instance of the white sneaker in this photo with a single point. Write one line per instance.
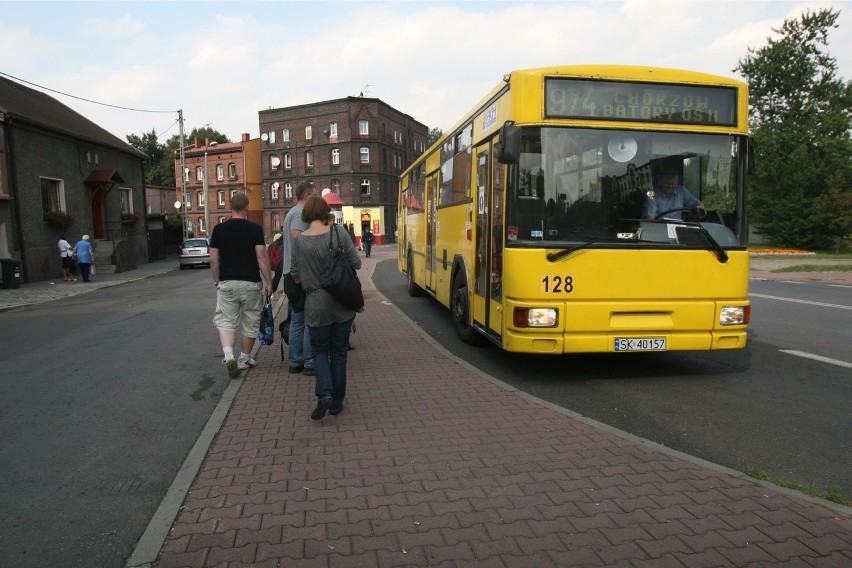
(231, 364)
(246, 363)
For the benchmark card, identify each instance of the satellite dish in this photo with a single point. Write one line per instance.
(177, 204)
(264, 136)
(276, 161)
(275, 185)
(622, 148)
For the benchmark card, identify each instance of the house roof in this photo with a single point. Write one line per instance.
(20, 103)
(104, 176)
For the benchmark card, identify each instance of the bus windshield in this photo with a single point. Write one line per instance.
(617, 188)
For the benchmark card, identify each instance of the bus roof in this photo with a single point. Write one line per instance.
(638, 73)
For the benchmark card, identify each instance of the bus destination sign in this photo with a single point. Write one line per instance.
(644, 102)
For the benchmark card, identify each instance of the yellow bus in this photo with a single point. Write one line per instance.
(585, 209)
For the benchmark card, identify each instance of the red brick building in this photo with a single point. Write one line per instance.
(230, 167)
(355, 146)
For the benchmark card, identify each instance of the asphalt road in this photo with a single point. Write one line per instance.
(760, 407)
(101, 398)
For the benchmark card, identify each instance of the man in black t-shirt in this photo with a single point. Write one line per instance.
(367, 238)
(238, 261)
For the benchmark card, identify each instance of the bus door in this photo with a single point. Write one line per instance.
(431, 277)
(488, 248)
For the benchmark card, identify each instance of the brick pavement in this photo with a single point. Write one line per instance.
(433, 464)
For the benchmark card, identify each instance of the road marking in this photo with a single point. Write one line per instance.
(817, 358)
(823, 304)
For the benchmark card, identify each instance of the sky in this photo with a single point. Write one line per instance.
(221, 63)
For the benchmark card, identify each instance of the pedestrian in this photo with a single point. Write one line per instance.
(66, 257)
(274, 254)
(85, 256)
(299, 348)
(367, 237)
(243, 279)
(329, 322)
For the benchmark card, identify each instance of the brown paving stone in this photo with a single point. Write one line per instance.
(182, 560)
(200, 541)
(243, 554)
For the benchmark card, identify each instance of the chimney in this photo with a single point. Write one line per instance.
(246, 137)
(197, 142)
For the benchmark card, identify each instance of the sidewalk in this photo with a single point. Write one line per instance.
(28, 294)
(433, 463)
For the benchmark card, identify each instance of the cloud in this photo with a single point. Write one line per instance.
(431, 60)
(100, 29)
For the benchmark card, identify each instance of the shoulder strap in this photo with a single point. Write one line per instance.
(335, 229)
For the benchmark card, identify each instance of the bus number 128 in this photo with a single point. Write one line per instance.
(557, 284)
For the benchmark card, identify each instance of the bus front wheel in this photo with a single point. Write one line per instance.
(461, 311)
(413, 289)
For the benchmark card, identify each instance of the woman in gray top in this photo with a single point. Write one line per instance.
(329, 322)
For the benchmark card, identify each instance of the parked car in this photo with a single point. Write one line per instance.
(194, 252)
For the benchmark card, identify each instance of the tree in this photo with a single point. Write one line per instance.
(434, 134)
(160, 165)
(800, 118)
(155, 171)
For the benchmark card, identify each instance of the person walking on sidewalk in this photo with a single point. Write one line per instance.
(238, 263)
(330, 322)
(85, 256)
(368, 237)
(299, 352)
(65, 256)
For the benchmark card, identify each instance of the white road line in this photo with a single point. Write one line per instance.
(823, 304)
(817, 358)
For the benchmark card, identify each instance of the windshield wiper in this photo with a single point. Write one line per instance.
(714, 244)
(554, 256)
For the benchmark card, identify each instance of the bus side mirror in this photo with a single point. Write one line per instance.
(509, 147)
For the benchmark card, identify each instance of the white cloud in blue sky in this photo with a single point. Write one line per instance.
(222, 62)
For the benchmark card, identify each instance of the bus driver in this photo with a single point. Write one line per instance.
(669, 195)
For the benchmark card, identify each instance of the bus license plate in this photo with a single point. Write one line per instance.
(640, 343)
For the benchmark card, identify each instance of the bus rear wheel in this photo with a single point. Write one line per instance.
(461, 311)
(413, 289)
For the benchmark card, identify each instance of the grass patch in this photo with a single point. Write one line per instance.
(816, 268)
(832, 494)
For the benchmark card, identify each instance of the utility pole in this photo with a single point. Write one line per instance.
(182, 177)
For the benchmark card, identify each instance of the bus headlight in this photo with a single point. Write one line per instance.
(734, 315)
(535, 317)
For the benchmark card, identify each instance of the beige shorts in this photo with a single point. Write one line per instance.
(238, 303)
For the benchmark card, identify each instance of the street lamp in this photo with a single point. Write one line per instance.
(206, 187)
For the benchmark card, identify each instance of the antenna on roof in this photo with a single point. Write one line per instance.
(366, 91)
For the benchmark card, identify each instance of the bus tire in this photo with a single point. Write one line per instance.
(413, 289)
(460, 308)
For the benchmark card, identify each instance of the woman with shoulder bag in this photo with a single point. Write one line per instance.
(329, 321)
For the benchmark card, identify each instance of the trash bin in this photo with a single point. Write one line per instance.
(11, 273)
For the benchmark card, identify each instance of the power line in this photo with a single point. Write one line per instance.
(81, 98)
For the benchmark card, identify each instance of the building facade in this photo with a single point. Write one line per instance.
(356, 146)
(212, 173)
(62, 175)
